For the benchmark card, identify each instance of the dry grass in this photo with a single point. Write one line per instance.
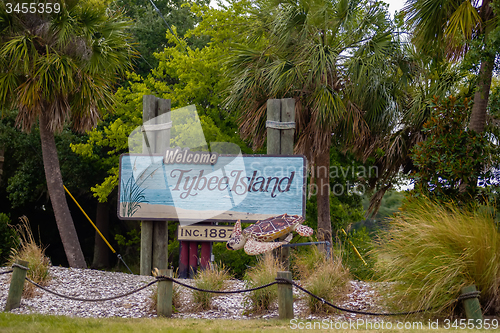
(433, 251)
(323, 276)
(34, 254)
(264, 272)
(212, 278)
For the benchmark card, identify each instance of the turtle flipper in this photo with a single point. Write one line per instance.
(304, 230)
(252, 247)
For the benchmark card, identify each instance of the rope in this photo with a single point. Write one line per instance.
(20, 266)
(280, 124)
(472, 294)
(92, 299)
(6, 272)
(165, 278)
(286, 281)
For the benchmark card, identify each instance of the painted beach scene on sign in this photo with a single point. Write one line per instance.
(194, 186)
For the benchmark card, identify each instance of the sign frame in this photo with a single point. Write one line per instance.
(250, 220)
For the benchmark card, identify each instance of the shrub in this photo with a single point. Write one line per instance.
(432, 251)
(212, 278)
(322, 276)
(361, 269)
(263, 273)
(34, 254)
(8, 238)
(236, 262)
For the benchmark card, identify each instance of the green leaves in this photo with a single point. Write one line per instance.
(451, 158)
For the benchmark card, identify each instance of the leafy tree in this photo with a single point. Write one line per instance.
(451, 154)
(59, 67)
(149, 28)
(330, 57)
(192, 77)
(453, 27)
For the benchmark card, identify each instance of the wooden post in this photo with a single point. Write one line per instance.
(193, 258)
(471, 305)
(16, 285)
(154, 235)
(184, 260)
(285, 297)
(160, 229)
(280, 142)
(164, 301)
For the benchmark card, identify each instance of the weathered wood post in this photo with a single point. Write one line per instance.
(154, 235)
(280, 130)
(164, 300)
(285, 296)
(471, 303)
(20, 268)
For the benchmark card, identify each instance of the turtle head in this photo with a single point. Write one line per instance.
(237, 240)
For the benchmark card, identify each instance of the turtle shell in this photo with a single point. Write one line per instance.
(272, 228)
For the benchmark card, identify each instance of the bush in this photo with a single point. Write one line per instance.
(28, 250)
(322, 276)
(432, 251)
(263, 273)
(212, 278)
(361, 269)
(237, 262)
(8, 238)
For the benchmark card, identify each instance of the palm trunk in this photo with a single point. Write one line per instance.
(324, 232)
(478, 115)
(55, 187)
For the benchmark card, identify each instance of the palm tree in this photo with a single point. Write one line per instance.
(326, 54)
(450, 25)
(59, 68)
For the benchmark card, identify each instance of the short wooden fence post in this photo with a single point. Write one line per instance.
(20, 269)
(164, 302)
(471, 304)
(285, 296)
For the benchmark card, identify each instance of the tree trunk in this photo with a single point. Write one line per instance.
(478, 115)
(101, 250)
(1, 163)
(324, 232)
(55, 187)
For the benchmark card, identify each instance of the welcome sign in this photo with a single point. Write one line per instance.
(191, 186)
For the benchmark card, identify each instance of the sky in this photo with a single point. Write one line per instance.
(395, 5)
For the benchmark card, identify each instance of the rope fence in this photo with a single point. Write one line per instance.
(280, 281)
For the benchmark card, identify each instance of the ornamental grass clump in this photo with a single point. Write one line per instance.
(264, 272)
(34, 254)
(431, 251)
(323, 276)
(212, 278)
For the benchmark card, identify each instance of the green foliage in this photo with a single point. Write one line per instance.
(451, 158)
(212, 278)
(8, 238)
(361, 268)
(323, 276)
(432, 251)
(264, 272)
(236, 262)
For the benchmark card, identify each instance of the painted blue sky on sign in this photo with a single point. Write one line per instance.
(236, 187)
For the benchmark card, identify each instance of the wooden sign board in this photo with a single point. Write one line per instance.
(198, 186)
(207, 233)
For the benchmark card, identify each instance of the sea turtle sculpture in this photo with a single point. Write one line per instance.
(258, 238)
